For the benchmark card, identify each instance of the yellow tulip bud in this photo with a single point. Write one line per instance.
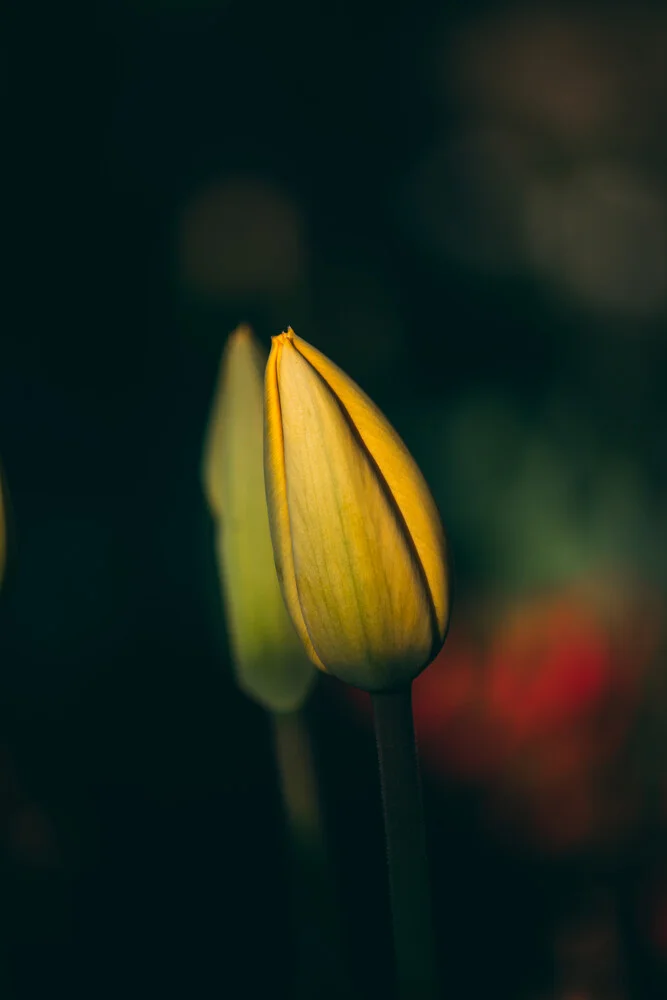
(268, 657)
(359, 544)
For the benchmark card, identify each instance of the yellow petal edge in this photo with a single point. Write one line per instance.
(276, 494)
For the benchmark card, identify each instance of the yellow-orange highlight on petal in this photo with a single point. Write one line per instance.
(359, 545)
(270, 662)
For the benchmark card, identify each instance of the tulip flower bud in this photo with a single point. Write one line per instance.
(268, 657)
(359, 545)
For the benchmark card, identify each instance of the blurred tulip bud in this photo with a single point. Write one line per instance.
(270, 663)
(359, 545)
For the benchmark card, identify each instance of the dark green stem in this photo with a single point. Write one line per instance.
(321, 967)
(298, 781)
(406, 846)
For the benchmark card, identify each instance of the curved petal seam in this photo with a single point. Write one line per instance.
(282, 452)
(384, 486)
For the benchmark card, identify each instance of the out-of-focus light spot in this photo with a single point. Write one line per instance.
(463, 201)
(572, 652)
(540, 67)
(541, 504)
(241, 237)
(602, 235)
(575, 76)
(557, 90)
(535, 699)
(32, 837)
(588, 950)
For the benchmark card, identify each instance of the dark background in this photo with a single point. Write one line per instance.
(363, 172)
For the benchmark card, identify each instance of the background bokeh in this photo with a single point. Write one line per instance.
(466, 208)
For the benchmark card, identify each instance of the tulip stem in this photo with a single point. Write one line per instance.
(320, 961)
(406, 846)
(298, 780)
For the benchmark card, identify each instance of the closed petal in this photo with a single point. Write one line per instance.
(268, 657)
(269, 660)
(360, 587)
(402, 476)
(238, 391)
(276, 498)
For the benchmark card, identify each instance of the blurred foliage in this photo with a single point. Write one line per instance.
(538, 703)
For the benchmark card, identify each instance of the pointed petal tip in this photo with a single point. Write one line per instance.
(244, 343)
(241, 337)
(242, 332)
(287, 336)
